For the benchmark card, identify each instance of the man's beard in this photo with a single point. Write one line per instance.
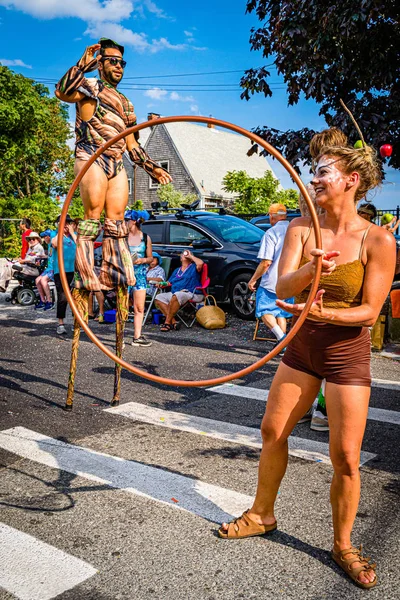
(111, 79)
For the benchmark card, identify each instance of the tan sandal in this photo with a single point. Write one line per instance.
(346, 565)
(244, 527)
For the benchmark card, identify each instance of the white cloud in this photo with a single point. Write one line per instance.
(87, 10)
(119, 33)
(15, 62)
(103, 19)
(179, 98)
(156, 94)
(188, 34)
(194, 108)
(153, 8)
(164, 44)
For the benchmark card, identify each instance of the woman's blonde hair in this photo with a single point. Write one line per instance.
(360, 160)
(328, 137)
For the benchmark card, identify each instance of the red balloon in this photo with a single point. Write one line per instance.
(386, 150)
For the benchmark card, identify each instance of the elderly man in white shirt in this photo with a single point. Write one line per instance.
(269, 255)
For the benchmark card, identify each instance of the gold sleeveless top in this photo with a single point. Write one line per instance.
(343, 288)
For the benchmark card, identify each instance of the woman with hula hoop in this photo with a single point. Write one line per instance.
(333, 343)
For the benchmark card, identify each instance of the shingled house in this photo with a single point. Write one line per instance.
(198, 157)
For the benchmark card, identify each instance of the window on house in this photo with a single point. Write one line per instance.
(153, 185)
(183, 234)
(130, 186)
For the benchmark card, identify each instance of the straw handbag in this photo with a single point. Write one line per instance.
(210, 316)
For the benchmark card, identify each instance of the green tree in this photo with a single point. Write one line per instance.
(256, 194)
(36, 164)
(326, 51)
(168, 193)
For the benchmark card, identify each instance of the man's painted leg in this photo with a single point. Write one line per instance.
(116, 266)
(85, 277)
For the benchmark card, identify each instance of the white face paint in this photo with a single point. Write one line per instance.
(328, 180)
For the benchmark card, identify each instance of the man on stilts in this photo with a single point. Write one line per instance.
(101, 113)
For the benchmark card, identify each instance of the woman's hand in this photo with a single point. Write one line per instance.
(316, 311)
(328, 265)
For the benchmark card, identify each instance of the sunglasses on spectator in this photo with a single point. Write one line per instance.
(114, 61)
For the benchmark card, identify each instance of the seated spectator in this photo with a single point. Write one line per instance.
(155, 273)
(183, 282)
(42, 282)
(367, 211)
(35, 251)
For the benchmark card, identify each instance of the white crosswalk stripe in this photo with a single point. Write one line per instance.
(209, 501)
(230, 432)
(374, 414)
(34, 570)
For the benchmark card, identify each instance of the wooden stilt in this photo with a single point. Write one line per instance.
(81, 298)
(122, 315)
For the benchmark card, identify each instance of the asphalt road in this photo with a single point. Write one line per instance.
(98, 505)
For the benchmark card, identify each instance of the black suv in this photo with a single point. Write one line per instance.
(228, 245)
(263, 221)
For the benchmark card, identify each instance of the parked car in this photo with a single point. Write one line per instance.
(228, 245)
(263, 221)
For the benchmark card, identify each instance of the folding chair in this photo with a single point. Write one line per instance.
(257, 337)
(191, 305)
(166, 264)
(266, 339)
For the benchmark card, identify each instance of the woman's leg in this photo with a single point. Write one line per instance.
(46, 288)
(173, 308)
(61, 297)
(347, 408)
(139, 297)
(38, 283)
(291, 395)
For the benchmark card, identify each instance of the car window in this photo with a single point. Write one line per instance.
(233, 229)
(155, 230)
(183, 234)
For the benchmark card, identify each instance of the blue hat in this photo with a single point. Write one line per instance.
(47, 232)
(156, 255)
(136, 215)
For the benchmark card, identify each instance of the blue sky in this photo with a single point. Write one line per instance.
(42, 38)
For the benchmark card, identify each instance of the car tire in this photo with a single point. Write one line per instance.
(26, 297)
(239, 295)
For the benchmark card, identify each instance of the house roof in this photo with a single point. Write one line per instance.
(209, 153)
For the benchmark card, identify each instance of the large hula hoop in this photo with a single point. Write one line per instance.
(262, 361)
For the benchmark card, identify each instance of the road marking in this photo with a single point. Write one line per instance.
(203, 499)
(374, 414)
(229, 432)
(33, 570)
(241, 391)
(386, 384)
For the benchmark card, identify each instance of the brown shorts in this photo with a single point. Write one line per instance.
(338, 354)
(110, 165)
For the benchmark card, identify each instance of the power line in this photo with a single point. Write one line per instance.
(193, 74)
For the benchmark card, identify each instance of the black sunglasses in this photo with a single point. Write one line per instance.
(114, 61)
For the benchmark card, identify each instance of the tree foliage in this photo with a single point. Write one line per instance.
(256, 194)
(327, 51)
(168, 193)
(36, 164)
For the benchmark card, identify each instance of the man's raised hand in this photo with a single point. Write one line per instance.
(162, 176)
